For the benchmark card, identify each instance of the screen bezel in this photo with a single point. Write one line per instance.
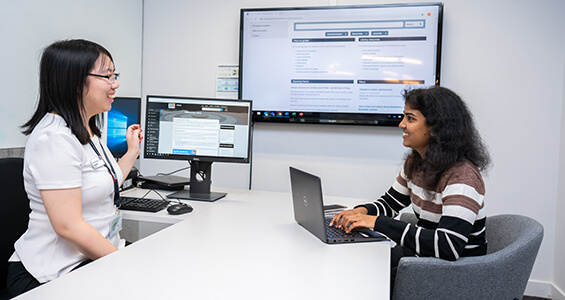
(339, 118)
(116, 153)
(205, 158)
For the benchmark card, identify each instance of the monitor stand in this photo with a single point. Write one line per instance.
(200, 181)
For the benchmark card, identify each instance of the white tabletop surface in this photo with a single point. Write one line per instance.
(245, 246)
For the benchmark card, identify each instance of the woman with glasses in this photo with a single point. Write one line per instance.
(441, 178)
(70, 176)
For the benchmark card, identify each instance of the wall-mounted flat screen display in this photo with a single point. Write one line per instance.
(339, 64)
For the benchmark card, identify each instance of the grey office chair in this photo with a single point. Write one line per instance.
(513, 244)
(14, 212)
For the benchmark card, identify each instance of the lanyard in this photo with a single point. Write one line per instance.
(111, 171)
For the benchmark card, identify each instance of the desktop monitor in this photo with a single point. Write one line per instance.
(337, 64)
(201, 131)
(125, 112)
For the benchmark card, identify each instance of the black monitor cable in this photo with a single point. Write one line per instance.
(162, 198)
(152, 190)
(173, 172)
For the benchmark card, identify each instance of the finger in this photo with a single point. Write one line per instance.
(137, 133)
(343, 222)
(340, 217)
(134, 127)
(351, 222)
(335, 220)
(337, 217)
(350, 226)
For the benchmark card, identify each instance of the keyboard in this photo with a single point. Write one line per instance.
(142, 204)
(333, 232)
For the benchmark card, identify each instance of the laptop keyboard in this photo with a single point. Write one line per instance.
(333, 232)
(142, 204)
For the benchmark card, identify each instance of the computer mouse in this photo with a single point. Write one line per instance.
(179, 209)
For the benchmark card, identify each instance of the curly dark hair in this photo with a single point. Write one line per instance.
(453, 135)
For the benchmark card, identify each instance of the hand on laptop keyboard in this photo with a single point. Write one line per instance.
(353, 218)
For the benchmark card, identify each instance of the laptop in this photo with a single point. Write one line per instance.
(308, 207)
(165, 182)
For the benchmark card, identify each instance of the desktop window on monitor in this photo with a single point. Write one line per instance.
(201, 131)
(125, 112)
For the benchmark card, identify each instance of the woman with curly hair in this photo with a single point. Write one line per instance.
(441, 178)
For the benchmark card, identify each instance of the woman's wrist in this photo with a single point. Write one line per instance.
(133, 153)
(362, 210)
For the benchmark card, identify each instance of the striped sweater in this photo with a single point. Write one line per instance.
(451, 219)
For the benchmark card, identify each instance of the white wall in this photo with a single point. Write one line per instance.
(28, 26)
(505, 58)
(558, 273)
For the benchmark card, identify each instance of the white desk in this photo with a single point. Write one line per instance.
(245, 246)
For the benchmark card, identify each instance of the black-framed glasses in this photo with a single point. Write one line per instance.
(111, 78)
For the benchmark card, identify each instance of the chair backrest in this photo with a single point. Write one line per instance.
(514, 242)
(503, 273)
(511, 230)
(14, 210)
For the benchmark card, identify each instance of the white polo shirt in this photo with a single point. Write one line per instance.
(55, 159)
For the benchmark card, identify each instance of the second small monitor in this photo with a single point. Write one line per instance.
(125, 112)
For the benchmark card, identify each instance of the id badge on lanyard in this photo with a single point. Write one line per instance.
(97, 163)
(116, 223)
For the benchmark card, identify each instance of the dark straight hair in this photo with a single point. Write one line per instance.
(64, 68)
(453, 139)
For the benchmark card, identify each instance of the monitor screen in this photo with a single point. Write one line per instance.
(125, 112)
(200, 130)
(339, 64)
